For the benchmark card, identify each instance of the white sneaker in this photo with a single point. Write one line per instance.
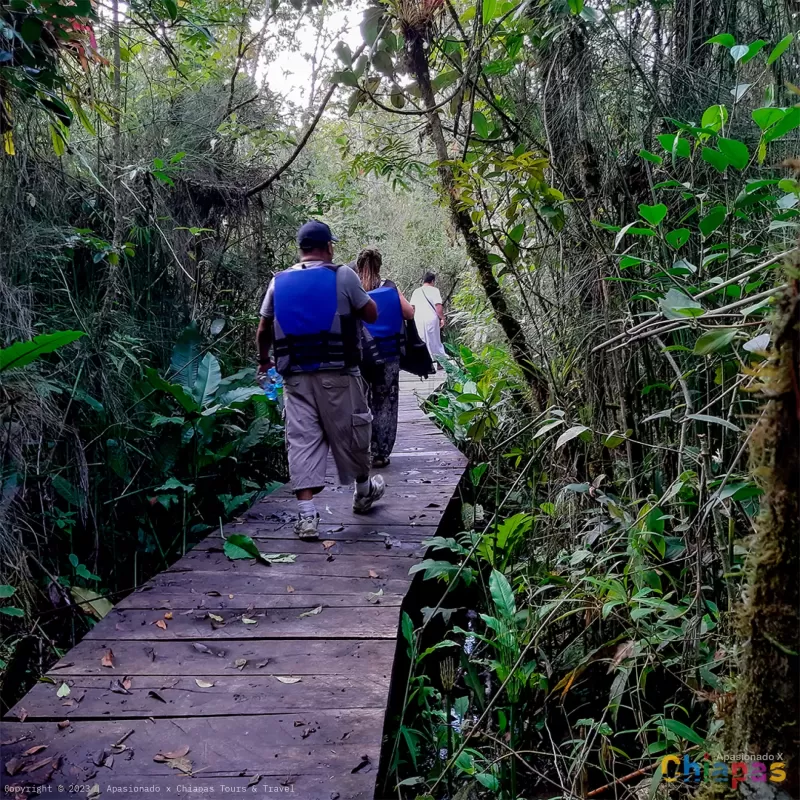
(306, 526)
(362, 503)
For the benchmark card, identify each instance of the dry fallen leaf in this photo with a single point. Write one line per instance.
(179, 753)
(623, 651)
(230, 597)
(63, 691)
(22, 714)
(248, 621)
(215, 617)
(328, 543)
(182, 764)
(240, 663)
(375, 597)
(118, 687)
(65, 723)
(289, 589)
(32, 751)
(13, 765)
(288, 679)
(203, 684)
(159, 623)
(312, 613)
(262, 664)
(168, 615)
(156, 696)
(108, 659)
(38, 765)
(201, 648)
(93, 791)
(126, 683)
(373, 574)
(254, 780)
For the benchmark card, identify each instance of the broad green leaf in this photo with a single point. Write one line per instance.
(678, 305)
(90, 602)
(712, 341)
(712, 220)
(382, 62)
(209, 376)
(345, 77)
(713, 420)
(548, 426)
(502, 594)
(185, 359)
(684, 731)
(480, 125)
(765, 118)
(613, 440)
(570, 434)
(6, 591)
(12, 611)
(648, 156)
(780, 48)
(735, 151)
(67, 491)
(20, 354)
(714, 117)
(489, 8)
(753, 49)
(725, 39)
(344, 53)
(178, 392)
(789, 121)
(715, 158)
(629, 261)
(677, 238)
(653, 214)
(674, 144)
(738, 52)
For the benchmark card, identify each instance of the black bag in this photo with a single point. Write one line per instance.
(416, 359)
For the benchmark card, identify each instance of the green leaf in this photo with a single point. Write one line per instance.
(21, 353)
(178, 392)
(91, 602)
(502, 594)
(576, 6)
(345, 77)
(653, 214)
(382, 62)
(12, 611)
(674, 144)
(714, 421)
(480, 125)
(209, 376)
(678, 238)
(765, 118)
(172, 9)
(712, 341)
(613, 440)
(629, 261)
(185, 357)
(725, 39)
(735, 151)
(343, 53)
(753, 49)
(684, 731)
(67, 490)
(652, 157)
(715, 158)
(714, 117)
(489, 9)
(738, 52)
(677, 305)
(712, 220)
(740, 90)
(570, 434)
(780, 48)
(6, 591)
(789, 121)
(238, 546)
(63, 690)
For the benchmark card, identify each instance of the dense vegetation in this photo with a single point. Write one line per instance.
(608, 193)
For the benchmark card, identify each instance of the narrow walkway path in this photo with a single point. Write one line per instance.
(234, 676)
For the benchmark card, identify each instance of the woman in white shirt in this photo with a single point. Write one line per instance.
(428, 314)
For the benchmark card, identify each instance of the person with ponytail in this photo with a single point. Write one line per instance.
(383, 376)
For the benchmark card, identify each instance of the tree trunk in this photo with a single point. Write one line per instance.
(476, 250)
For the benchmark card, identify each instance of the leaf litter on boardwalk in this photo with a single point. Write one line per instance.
(238, 546)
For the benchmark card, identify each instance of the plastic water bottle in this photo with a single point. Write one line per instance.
(272, 384)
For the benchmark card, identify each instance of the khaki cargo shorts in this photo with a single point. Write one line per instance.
(326, 412)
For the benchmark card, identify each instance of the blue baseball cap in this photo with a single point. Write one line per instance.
(314, 232)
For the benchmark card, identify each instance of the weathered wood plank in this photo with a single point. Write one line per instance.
(152, 696)
(353, 545)
(377, 622)
(245, 602)
(212, 657)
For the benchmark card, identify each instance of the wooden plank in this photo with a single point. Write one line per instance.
(152, 696)
(392, 538)
(217, 585)
(355, 566)
(386, 546)
(377, 622)
(211, 657)
(246, 602)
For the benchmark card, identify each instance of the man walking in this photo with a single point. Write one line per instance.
(312, 314)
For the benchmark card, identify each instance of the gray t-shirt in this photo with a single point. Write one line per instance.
(351, 298)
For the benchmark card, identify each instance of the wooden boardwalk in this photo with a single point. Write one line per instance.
(234, 676)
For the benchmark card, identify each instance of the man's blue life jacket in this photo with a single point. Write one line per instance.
(310, 333)
(388, 332)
